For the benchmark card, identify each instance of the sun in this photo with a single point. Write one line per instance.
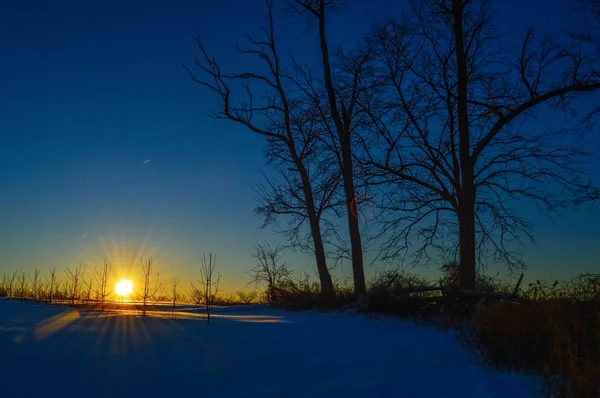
(124, 287)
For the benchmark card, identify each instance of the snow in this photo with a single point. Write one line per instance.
(247, 351)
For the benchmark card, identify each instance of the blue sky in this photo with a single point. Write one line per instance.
(91, 90)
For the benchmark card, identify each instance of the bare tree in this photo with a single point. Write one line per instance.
(209, 284)
(456, 140)
(342, 108)
(35, 284)
(150, 291)
(184, 297)
(281, 197)
(589, 30)
(62, 291)
(10, 283)
(270, 269)
(76, 279)
(22, 283)
(88, 288)
(587, 36)
(278, 117)
(102, 277)
(174, 282)
(51, 280)
(247, 297)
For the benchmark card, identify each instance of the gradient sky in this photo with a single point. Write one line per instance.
(91, 90)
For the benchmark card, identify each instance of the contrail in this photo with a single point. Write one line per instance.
(146, 161)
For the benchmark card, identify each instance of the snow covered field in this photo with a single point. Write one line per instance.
(51, 351)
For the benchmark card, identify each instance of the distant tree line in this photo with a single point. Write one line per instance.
(430, 120)
(97, 287)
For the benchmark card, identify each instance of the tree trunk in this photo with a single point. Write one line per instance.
(466, 228)
(324, 275)
(352, 212)
(466, 195)
(343, 132)
(315, 227)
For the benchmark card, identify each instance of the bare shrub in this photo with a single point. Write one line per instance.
(247, 297)
(450, 277)
(270, 270)
(102, 278)
(150, 292)
(22, 284)
(87, 292)
(76, 279)
(11, 284)
(51, 278)
(35, 284)
(400, 293)
(184, 297)
(208, 285)
(226, 299)
(175, 296)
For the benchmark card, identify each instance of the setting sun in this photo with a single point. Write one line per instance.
(124, 287)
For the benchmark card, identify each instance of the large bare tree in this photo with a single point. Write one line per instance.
(342, 97)
(280, 116)
(457, 137)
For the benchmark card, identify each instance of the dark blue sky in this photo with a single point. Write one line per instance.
(90, 90)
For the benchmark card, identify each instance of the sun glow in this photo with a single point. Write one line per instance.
(124, 287)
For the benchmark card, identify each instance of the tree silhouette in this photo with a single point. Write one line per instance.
(247, 297)
(149, 292)
(35, 284)
(283, 194)
(22, 283)
(341, 108)
(10, 283)
(451, 144)
(279, 116)
(76, 279)
(102, 277)
(51, 280)
(208, 285)
(174, 282)
(270, 269)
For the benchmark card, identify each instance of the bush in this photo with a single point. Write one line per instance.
(552, 330)
(483, 282)
(305, 294)
(225, 300)
(388, 294)
(247, 297)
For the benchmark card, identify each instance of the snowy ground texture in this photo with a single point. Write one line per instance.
(253, 351)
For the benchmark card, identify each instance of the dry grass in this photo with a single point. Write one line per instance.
(552, 330)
